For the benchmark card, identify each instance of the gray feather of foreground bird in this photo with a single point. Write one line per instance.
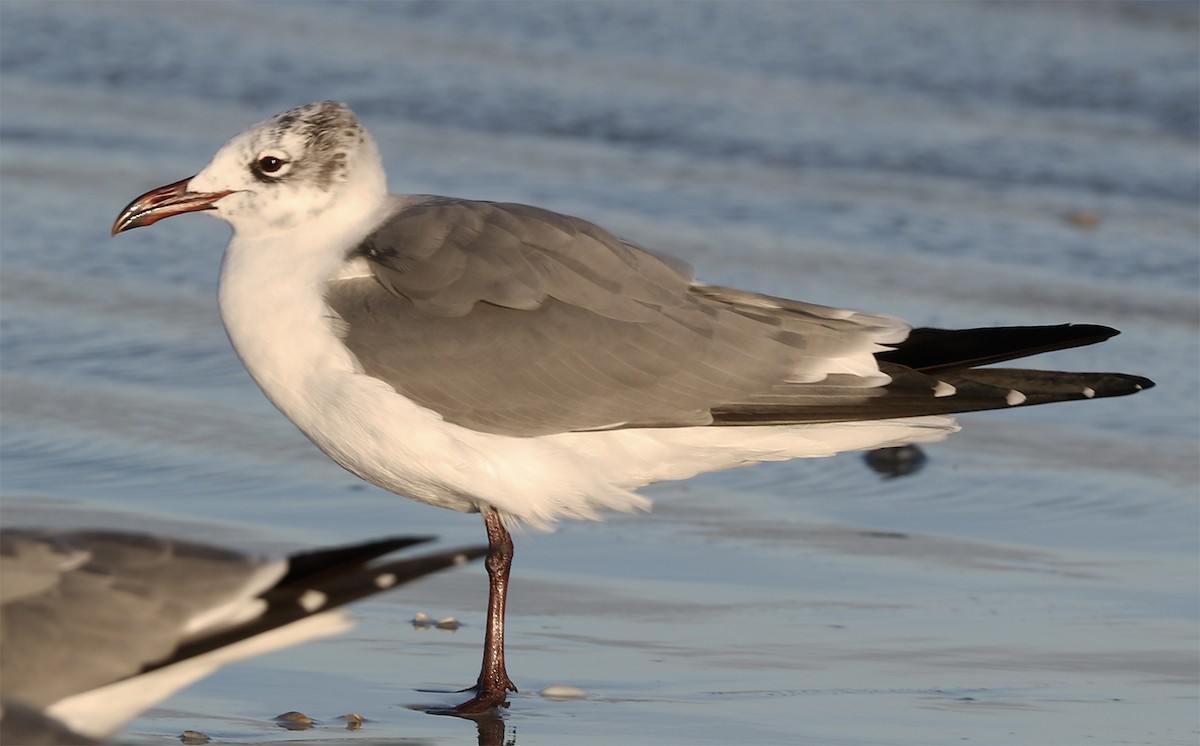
(95, 626)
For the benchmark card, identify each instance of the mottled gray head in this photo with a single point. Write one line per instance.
(292, 168)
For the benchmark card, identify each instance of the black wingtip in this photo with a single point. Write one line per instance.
(321, 562)
(408, 570)
(1046, 386)
(1142, 383)
(1124, 384)
(1097, 332)
(931, 350)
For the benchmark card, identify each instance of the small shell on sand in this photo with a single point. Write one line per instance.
(424, 621)
(294, 720)
(563, 692)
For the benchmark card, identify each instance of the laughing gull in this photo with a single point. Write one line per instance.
(505, 359)
(99, 625)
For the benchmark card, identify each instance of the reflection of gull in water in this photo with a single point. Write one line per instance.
(99, 625)
(532, 366)
(896, 461)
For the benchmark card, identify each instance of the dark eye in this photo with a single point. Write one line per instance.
(269, 164)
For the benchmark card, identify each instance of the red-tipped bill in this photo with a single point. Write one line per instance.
(172, 199)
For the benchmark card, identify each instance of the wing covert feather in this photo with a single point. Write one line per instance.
(445, 255)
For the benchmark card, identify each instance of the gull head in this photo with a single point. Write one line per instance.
(276, 176)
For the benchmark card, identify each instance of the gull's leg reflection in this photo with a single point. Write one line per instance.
(491, 732)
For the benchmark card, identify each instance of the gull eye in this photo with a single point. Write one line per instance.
(271, 165)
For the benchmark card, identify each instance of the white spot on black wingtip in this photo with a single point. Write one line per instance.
(311, 600)
(1090, 392)
(385, 580)
(1014, 397)
(944, 389)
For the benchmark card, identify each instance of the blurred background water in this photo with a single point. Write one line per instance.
(956, 164)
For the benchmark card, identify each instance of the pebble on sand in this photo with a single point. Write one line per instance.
(294, 720)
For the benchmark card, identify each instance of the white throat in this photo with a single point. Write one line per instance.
(271, 296)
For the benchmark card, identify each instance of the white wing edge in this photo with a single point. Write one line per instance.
(244, 606)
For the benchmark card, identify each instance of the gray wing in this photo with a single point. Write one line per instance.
(82, 609)
(515, 320)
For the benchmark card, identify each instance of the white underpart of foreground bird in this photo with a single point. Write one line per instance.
(501, 358)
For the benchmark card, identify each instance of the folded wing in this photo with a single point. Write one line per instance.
(518, 321)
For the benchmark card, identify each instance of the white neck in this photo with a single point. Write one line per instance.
(271, 296)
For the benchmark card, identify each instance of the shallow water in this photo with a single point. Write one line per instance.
(1035, 582)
